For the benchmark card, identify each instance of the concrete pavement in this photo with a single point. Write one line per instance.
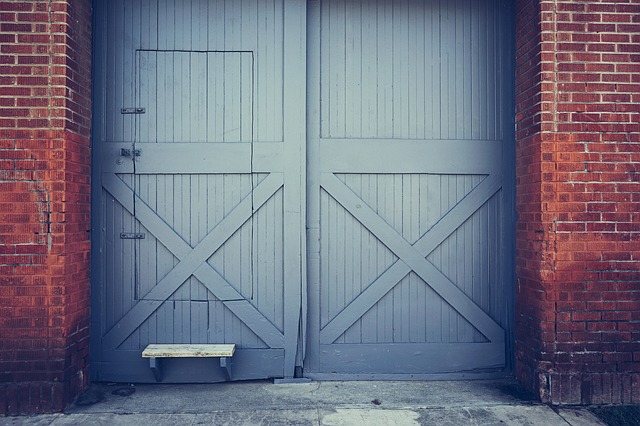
(482, 402)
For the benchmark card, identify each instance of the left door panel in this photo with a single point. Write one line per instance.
(190, 187)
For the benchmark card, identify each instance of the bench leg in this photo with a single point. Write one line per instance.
(226, 366)
(156, 366)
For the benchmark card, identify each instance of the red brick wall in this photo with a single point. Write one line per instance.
(45, 91)
(578, 199)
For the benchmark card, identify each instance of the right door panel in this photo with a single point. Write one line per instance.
(409, 215)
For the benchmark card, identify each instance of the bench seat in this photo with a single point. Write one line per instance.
(155, 352)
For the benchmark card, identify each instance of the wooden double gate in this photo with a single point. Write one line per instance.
(325, 184)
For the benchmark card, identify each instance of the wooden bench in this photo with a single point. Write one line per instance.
(155, 353)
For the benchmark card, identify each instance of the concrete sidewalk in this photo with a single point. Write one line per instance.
(484, 402)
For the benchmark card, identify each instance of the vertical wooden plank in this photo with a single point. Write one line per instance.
(182, 82)
(478, 285)
(369, 266)
(232, 19)
(111, 268)
(216, 323)
(202, 195)
(248, 24)
(151, 24)
(278, 273)
(166, 100)
(262, 101)
(437, 102)
(214, 131)
(415, 100)
(401, 69)
(492, 258)
(147, 96)
(322, 294)
(385, 70)
(395, 210)
(352, 41)
(337, 67)
(198, 24)
(115, 82)
(457, 122)
(316, 198)
(197, 80)
(416, 319)
(474, 69)
(164, 259)
(491, 76)
(167, 323)
(215, 213)
(467, 253)
(440, 257)
(215, 27)
(166, 19)
(177, 221)
(483, 68)
(245, 249)
(368, 73)
(277, 70)
(143, 263)
(231, 87)
(246, 97)
(354, 260)
(467, 67)
(195, 211)
(339, 261)
(129, 257)
(446, 71)
(148, 256)
(499, 77)
(461, 261)
(183, 225)
(183, 26)
(345, 270)
(199, 322)
(295, 47)
(388, 202)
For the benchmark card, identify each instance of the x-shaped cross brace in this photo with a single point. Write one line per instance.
(193, 261)
(411, 258)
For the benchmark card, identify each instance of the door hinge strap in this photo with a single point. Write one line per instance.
(132, 235)
(133, 110)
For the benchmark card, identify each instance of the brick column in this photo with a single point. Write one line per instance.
(578, 200)
(45, 110)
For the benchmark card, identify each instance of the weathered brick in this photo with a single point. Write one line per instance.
(39, 363)
(594, 81)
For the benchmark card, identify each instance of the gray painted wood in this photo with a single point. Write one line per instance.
(294, 175)
(215, 190)
(391, 120)
(406, 207)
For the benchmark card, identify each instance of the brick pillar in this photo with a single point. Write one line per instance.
(45, 110)
(578, 200)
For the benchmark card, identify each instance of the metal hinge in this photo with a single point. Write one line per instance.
(135, 110)
(132, 235)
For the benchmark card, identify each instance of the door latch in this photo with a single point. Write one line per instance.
(125, 152)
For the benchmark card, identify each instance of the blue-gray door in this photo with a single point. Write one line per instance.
(409, 195)
(200, 146)
(326, 184)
